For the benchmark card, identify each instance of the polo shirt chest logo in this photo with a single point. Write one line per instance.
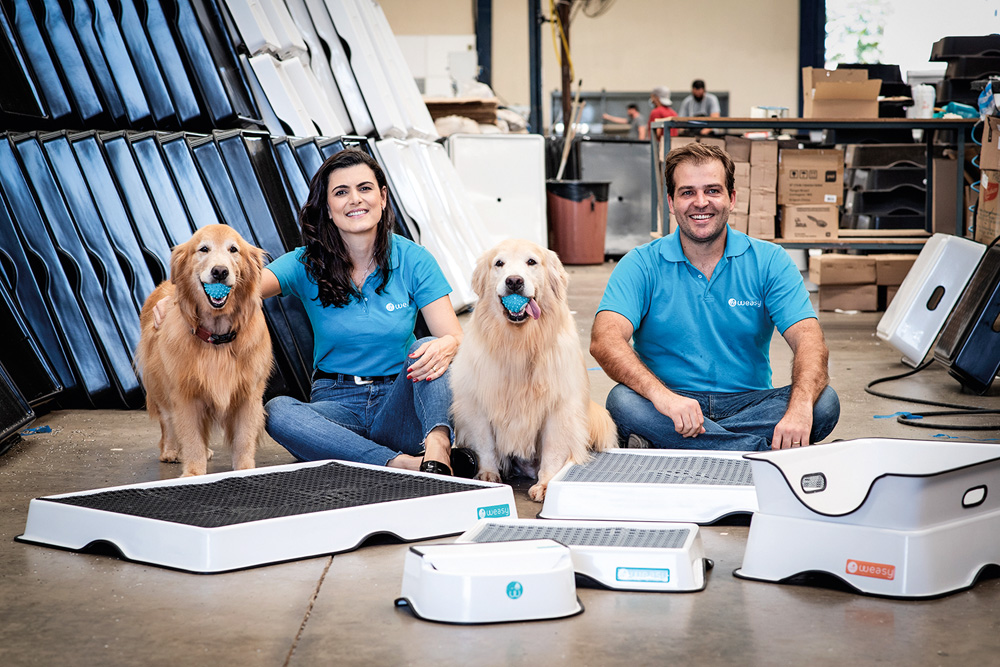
(740, 303)
(396, 306)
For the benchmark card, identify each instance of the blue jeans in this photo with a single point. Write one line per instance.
(370, 423)
(742, 421)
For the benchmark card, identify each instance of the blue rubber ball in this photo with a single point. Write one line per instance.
(216, 290)
(515, 303)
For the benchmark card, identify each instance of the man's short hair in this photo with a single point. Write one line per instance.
(634, 106)
(698, 153)
(699, 84)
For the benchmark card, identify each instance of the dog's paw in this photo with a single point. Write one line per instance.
(488, 476)
(537, 492)
(170, 456)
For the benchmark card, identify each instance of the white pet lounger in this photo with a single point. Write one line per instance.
(622, 555)
(898, 518)
(653, 485)
(233, 520)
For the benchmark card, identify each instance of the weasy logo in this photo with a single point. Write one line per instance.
(515, 590)
(874, 570)
(493, 512)
(396, 306)
(745, 303)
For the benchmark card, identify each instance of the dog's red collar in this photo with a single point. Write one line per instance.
(214, 339)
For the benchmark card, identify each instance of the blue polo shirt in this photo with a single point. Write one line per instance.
(708, 335)
(371, 336)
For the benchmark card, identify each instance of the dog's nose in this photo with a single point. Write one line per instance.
(220, 273)
(515, 283)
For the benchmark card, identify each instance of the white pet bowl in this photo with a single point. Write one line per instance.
(898, 518)
(490, 583)
(622, 555)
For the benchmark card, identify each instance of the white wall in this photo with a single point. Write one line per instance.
(748, 48)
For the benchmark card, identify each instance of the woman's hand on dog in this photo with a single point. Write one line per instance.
(432, 358)
(159, 310)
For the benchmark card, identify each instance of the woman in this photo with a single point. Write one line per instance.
(378, 396)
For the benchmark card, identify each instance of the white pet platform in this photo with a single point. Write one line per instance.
(653, 485)
(232, 520)
(490, 583)
(627, 555)
(899, 518)
(928, 294)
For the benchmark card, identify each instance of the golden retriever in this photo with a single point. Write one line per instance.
(210, 359)
(520, 389)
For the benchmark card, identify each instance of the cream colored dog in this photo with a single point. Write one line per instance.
(209, 361)
(519, 382)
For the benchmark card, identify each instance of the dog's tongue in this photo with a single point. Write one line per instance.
(533, 309)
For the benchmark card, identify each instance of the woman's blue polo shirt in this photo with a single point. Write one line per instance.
(708, 335)
(371, 336)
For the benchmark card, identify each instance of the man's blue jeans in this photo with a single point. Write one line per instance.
(742, 421)
(370, 423)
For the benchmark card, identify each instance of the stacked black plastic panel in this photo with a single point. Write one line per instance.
(972, 61)
(885, 186)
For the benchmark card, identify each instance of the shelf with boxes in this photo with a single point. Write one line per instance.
(805, 187)
(858, 282)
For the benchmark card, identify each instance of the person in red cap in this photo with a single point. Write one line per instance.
(662, 108)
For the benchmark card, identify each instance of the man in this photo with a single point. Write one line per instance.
(636, 128)
(700, 104)
(662, 105)
(701, 305)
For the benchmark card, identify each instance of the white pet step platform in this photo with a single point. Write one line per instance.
(626, 555)
(898, 518)
(232, 520)
(653, 485)
(490, 583)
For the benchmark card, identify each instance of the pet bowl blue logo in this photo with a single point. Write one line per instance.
(514, 590)
(493, 512)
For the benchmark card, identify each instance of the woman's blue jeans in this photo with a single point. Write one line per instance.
(371, 423)
(742, 421)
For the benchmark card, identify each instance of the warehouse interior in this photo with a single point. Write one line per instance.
(130, 124)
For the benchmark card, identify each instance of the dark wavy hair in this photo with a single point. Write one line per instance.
(326, 258)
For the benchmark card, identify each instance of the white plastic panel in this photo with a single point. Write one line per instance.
(418, 196)
(290, 42)
(382, 100)
(504, 178)
(282, 96)
(317, 62)
(343, 75)
(928, 294)
(310, 94)
(267, 114)
(254, 26)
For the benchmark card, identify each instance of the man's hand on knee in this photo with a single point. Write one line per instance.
(683, 411)
(793, 430)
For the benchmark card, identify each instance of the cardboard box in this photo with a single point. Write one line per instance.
(989, 153)
(763, 202)
(817, 222)
(742, 200)
(741, 174)
(892, 269)
(848, 297)
(840, 93)
(811, 176)
(763, 152)
(764, 177)
(738, 148)
(834, 269)
(988, 212)
(677, 142)
(713, 141)
(890, 293)
(739, 221)
(760, 226)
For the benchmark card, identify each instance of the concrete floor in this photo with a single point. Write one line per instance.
(63, 608)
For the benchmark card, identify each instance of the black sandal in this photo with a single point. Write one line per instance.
(463, 461)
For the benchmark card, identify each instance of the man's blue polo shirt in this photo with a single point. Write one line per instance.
(708, 335)
(371, 336)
